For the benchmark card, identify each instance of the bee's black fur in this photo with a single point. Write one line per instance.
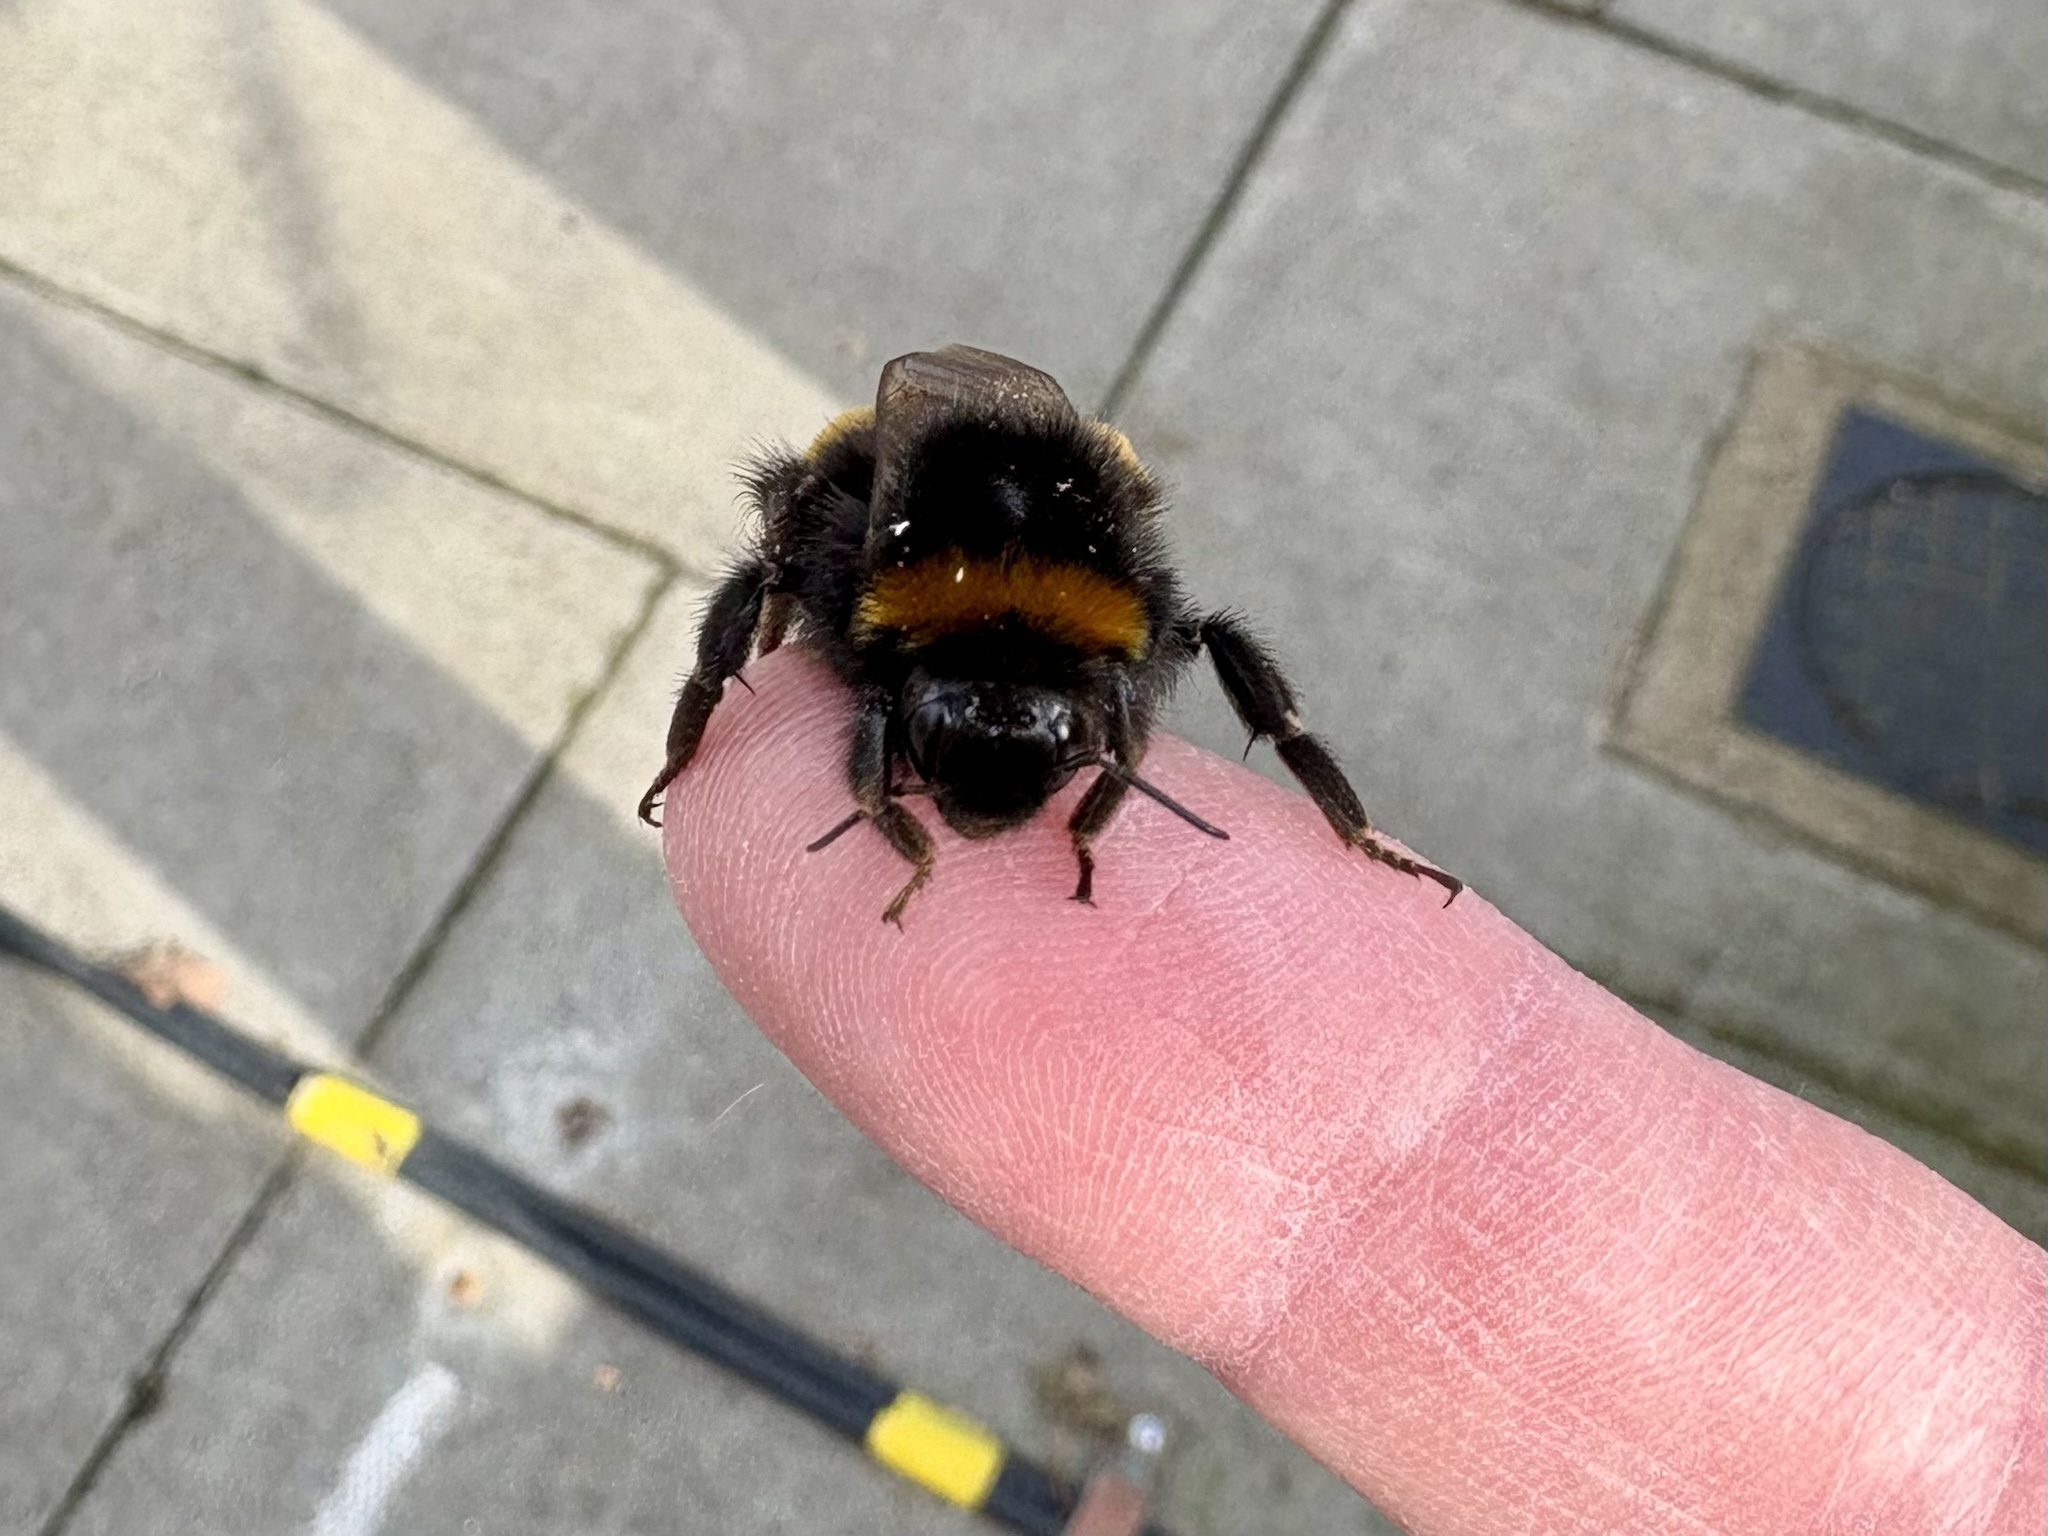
(1053, 653)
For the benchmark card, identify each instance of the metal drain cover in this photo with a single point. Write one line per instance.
(1909, 641)
(1854, 640)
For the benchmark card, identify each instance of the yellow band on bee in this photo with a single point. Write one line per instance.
(937, 1446)
(347, 1118)
(1121, 445)
(845, 424)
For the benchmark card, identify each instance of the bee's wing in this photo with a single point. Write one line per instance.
(921, 391)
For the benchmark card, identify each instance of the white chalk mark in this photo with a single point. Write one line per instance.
(736, 1103)
(409, 1423)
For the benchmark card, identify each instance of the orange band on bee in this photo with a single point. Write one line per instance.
(948, 593)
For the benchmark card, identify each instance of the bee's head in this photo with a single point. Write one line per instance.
(993, 752)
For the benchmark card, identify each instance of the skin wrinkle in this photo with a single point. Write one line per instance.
(1737, 1321)
(1497, 1249)
(1465, 1336)
(1312, 1268)
(1291, 1190)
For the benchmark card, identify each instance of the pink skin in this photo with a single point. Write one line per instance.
(1504, 1254)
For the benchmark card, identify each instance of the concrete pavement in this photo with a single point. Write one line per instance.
(370, 376)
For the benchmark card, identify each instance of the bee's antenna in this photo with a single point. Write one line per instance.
(837, 832)
(1117, 770)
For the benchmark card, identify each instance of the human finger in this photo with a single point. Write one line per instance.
(1497, 1249)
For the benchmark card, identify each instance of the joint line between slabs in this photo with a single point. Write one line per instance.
(1814, 103)
(1597, 19)
(147, 1387)
(253, 376)
(1310, 52)
(543, 771)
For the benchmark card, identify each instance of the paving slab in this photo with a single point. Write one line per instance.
(1436, 409)
(569, 996)
(112, 1204)
(1964, 72)
(553, 1417)
(600, 251)
(557, 1417)
(268, 687)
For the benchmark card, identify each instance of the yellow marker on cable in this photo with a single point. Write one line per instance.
(937, 1446)
(347, 1118)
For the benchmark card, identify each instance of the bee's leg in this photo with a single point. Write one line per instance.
(867, 765)
(1095, 811)
(724, 641)
(1265, 704)
(1099, 806)
(777, 609)
(773, 480)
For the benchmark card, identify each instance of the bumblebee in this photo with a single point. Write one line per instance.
(985, 569)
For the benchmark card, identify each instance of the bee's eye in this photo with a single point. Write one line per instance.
(927, 723)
